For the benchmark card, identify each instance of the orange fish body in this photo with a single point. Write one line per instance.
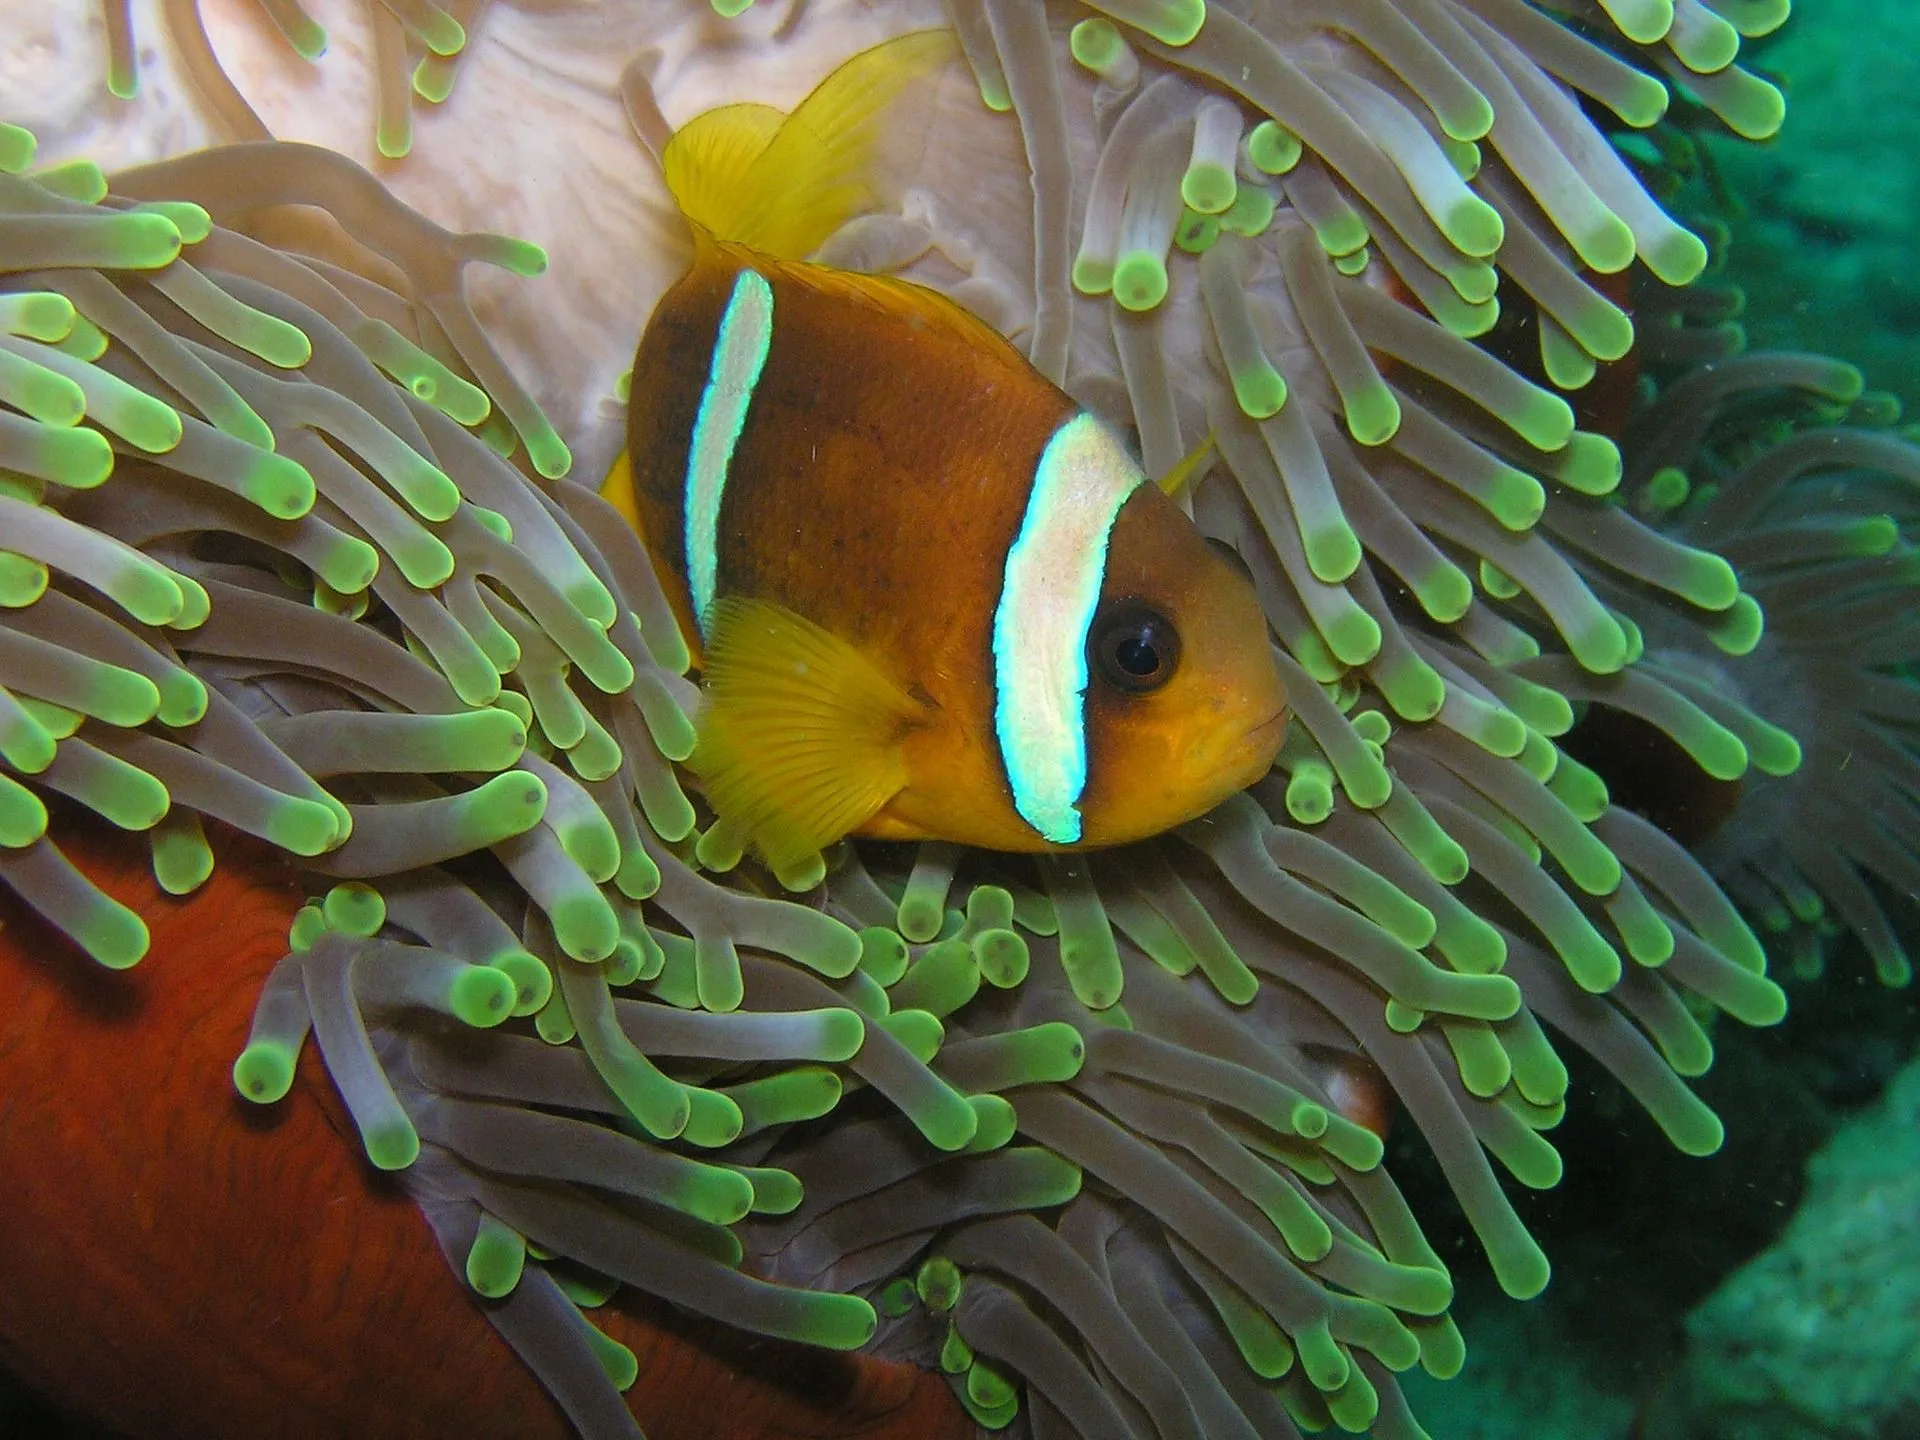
(931, 596)
(828, 493)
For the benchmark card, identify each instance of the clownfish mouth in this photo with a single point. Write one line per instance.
(1268, 728)
(1253, 754)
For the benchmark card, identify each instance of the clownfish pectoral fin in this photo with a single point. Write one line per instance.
(1189, 468)
(783, 183)
(799, 735)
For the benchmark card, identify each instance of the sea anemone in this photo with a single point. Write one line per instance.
(293, 545)
(1790, 468)
(1781, 463)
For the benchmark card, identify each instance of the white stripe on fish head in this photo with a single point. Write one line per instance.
(1051, 589)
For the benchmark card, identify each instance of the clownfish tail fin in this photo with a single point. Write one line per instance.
(799, 732)
(780, 183)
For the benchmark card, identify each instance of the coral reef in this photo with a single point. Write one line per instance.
(1816, 1337)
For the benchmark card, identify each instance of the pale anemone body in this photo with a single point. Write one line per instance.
(1421, 883)
(533, 141)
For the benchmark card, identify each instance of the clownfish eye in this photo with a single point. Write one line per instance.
(1135, 649)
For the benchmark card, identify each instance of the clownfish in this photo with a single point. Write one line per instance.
(930, 596)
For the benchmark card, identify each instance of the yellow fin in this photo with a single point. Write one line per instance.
(783, 183)
(799, 736)
(617, 490)
(710, 160)
(1189, 468)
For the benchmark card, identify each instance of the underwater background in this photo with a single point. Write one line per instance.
(1799, 1328)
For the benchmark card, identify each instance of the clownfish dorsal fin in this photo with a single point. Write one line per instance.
(782, 184)
(799, 735)
(709, 165)
(1189, 468)
(617, 490)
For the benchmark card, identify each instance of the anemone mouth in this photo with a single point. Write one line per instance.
(302, 557)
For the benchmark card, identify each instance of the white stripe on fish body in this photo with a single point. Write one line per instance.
(739, 355)
(1054, 572)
